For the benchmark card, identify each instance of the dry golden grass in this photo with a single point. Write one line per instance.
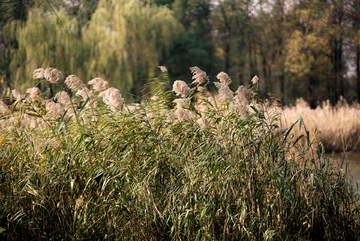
(336, 127)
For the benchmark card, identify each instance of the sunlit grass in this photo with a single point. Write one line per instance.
(336, 127)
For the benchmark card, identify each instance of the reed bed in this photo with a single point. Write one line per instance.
(182, 165)
(335, 128)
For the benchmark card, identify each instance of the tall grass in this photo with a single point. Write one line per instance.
(336, 127)
(140, 173)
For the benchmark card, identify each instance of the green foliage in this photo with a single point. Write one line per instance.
(42, 40)
(121, 43)
(194, 46)
(190, 50)
(127, 176)
(308, 56)
(306, 49)
(126, 38)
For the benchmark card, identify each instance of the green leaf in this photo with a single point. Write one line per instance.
(301, 123)
(252, 107)
(87, 100)
(33, 114)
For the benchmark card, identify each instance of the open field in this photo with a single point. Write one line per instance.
(184, 164)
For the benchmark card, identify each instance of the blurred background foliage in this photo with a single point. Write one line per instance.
(298, 48)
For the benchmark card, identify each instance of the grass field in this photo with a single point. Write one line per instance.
(182, 165)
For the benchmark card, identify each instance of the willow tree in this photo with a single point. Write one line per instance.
(122, 43)
(45, 40)
(125, 39)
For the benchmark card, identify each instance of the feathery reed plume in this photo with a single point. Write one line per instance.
(201, 89)
(279, 131)
(225, 94)
(26, 119)
(224, 78)
(112, 98)
(181, 114)
(55, 110)
(154, 98)
(199, 75)
(181, 88)
(40, 123)
(255, 80)
(17, 95)
(276, 102)
(4, 110)
(243, 96)
(116, 100)
(39, 73)
(203, 93)
(204, 123)
(151, 118)
(63, 98)
(211, 100)
(163, 69)
(33, 93)
(53, 75)
(99, 84)
(136, 109)
(202, 107)
(54, 142)
(74, 83)
(32, 121)
(86, 93)
(179, 102)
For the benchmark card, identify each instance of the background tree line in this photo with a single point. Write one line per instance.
(298, 48)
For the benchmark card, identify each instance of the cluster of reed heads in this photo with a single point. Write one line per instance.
(184, 163)
(61, 105)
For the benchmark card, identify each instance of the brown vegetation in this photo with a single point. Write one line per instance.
(336, 127)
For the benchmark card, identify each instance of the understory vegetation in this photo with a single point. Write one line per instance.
(184, 164)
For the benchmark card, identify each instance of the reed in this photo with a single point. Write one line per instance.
(225, 170)
(337, 128)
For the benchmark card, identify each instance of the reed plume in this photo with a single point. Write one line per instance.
(53, 75)
(276, 102)
(39, 73)
(243, 96)
(63, 98)
(99, 84)
(74, 83)
(255, 80)
(33, 93)
(112, 98)
(4, 110)
(224, 78)
(199, 76)
(163, 69)
(181, 88)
